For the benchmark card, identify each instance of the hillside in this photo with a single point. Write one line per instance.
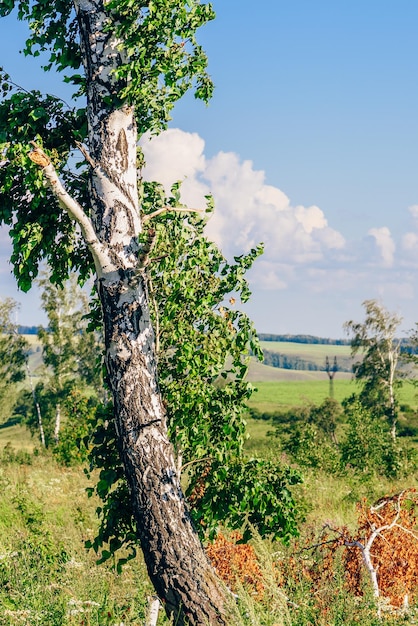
(258, 372)
(306, 356)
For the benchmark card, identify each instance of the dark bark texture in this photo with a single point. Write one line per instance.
(176, 561)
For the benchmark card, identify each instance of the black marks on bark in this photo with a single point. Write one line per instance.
(122, 149)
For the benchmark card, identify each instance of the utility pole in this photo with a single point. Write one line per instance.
(331, 371)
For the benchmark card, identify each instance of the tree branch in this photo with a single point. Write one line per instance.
(86, 154)
(73, 208)
(167, 209)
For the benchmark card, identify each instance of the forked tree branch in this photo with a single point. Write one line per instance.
(73, 208)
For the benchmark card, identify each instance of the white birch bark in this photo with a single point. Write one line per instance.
(38, 408)
(176, 562)
(57, 425)
(175, 559)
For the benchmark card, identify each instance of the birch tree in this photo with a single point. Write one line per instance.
(375, 341)
(13, 355)
(130, 61)
(69, 351)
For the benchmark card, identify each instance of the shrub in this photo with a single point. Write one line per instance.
(236, 561)
(309, 447)
(368, 446)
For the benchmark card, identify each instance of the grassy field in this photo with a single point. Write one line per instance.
(316, 353)
(47, 578)
(311, 351)
(17, 436)
(272, 395)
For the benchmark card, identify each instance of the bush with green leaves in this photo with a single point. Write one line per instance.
(252, 493)
(13, 357)
(204, 345)
(80, 410)
(307, 434)
(309, 447)
(368, 446)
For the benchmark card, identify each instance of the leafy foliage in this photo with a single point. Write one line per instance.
(375, 341)
(203, 342)
(253, 493)
(80, 412)
(310, 448)
(160, 58)
(160, 55)
(39, 228)
(203, 354)
(307, 434)
(368, 446)
(13, 354)
(70, 356)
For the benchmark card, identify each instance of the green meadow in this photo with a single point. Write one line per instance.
(48, 578)
(316, 353)
(272, 395)
(282, 388)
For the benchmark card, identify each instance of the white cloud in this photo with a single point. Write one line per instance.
(385, 244)
(177, 156)
(305, 258)
(269, 275)
(248, 211)
(414, 211)
(174, 155)
(410, 242)
(310, 218)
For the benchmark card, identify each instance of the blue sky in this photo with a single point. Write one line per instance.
(310, 144)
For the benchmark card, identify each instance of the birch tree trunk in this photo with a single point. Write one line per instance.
(57, 425)
(175, 559)
(37, 406)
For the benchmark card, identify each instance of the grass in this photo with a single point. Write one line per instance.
(316, 353)
(309, 351)
(46, 575)
(47, 578)
(17, 436)
(272, 395)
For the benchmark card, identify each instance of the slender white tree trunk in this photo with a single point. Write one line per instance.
(38, 408)
(175, 559)
(57, 425)
(153, 610)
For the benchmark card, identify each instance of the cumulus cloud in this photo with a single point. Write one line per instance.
(248, 210)
(410, 242)
(385, 244)
(177, 156)
(305, 259)
(414, 211)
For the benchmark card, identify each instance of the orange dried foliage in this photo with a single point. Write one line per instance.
(394, 552)
(392, 527)
(198, 492)
(236, 561)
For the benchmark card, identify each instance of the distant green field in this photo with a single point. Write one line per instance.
(307, 350)
(272, 395)
(315, 352)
